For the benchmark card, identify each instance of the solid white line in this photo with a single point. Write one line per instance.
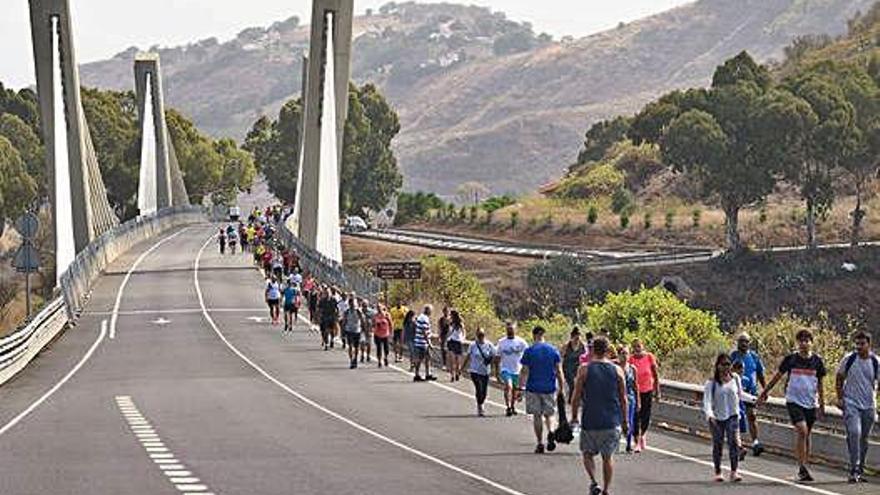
(333, 414)
(115, 313)
(137, 312)
(58, 385)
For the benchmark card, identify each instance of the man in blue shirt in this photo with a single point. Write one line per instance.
(753, 373)
(542, 373)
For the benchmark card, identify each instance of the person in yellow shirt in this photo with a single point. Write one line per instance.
(398, 312)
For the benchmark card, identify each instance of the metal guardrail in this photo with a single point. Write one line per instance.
(18, 349)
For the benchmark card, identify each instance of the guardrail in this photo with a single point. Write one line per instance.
(76, 282)
(18, 349)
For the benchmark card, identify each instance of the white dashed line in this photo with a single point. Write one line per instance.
(171, 467)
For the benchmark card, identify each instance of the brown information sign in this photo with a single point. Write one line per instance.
(407, 270)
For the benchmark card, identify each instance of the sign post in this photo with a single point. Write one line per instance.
(406, 270)
(27, 259)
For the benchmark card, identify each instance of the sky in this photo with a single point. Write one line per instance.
(103, 28)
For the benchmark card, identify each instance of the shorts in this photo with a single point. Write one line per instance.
(366, 337)
(540, 404)
(799, 414)
(328, 326)
(290, 308)
(454, 347)
(398, 335)
(273, 302)
(600, 442)
(353, 339)
(419, 352)
(512, 378)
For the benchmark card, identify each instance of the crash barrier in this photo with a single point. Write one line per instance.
(76, 282)
(18, 349)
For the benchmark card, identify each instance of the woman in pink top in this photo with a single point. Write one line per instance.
(648, 384)
(381, 333)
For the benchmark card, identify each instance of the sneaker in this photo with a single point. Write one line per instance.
(514, 411)
(509, 412)
(418, 378)
(431, 378)
(480, 412)
(539, 449)
(551, 442)
(386, 363)
(718, 478)
(853, 478)
(629, 449)
(735, 477)
(757, 449)
(594, 488)
(804, 475)
(352, 365)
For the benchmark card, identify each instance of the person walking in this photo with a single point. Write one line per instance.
(328, 315)
(455, 345)
(804, 396)
(856, 384)
(273, 299)
(352, 326)
(398, 314)
(443, 326)
(632, 393)
(600, 389)
(510, 352)
(648, 381)
(291, 297)
(752, 375)
(409, 333)
(542, 372)
(721, 398)
(422, 344)
(571, 354)
(342, 307)
(366, 344)
(478, 362)
(231, 240)
(221, 238)
(381, 334)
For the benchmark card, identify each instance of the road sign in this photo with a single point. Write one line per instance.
(27, 259)
(27, 225)
(407, 270)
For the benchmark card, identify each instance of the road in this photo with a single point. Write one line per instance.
(195, 393)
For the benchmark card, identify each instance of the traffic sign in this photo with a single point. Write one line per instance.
(27, 225)
(27, 259)
(407, 270)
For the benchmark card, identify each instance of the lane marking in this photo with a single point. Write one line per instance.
(177, 474)
(14, 421)
(319, 407)
(114, 315)
(137, 312)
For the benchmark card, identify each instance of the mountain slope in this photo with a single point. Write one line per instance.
(480, 97)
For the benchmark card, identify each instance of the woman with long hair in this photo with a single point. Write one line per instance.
(454, 341)
(409, 333)
(648, 384)
(721, 399)
(571, 355)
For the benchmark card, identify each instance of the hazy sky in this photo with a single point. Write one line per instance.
(106, 27)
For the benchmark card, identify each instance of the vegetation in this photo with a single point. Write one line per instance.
(416, 206)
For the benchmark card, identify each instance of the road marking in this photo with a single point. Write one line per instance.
(333, 414)
(138, 312)
(160, 321)
(14, 421)
(171, 467)
(115, 313)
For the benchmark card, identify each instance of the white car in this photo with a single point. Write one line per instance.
(234, 213)
(355, 224)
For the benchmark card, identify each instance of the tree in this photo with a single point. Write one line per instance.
(200, 164)
(18, 190)
(601, 137)
(28, 145)
(472, 192)
(238, 171)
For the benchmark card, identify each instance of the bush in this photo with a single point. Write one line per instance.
(670, 220)
(695, 217)
(462, 214)
(558, 285)
(661, 320)
(592, 215)
(647, 221)
(624, 220)
(600, 180)
(496, 203)
(416, 206)
(514, 219)
(558, 327)
(622, 201)
(762, 214)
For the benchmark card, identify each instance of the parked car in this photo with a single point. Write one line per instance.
(234, 213)
(355, 224)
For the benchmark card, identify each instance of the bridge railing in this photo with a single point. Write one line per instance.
(19, 348)
(76, 282)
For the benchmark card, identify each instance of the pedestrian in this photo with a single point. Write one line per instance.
(366, 343)
(381, 334)
(478, 362)
(542, 373)
(342, 304)
(588, 348)
(328, 314)
(856, 387)
(291, 306)
(571, 354)
(804, 396)
(454, 343)
(600, 388)
(752, 375)
(273, 299)
(510, 352)
(443, 326)
(632, 393)
(352, 326)
(221, 237)
(398, 314)
(648, 381)
(278, 265)
(721, 398)
(422, 344)
(409, 333)
(231, 240)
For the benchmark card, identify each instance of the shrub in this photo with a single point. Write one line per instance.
(462, 213)
(416, 206)
(647, 221)
(695, 217)
(496, 203)
(472, 214)
(661, 320)
(8, 292)
(624, 220)
(558, 327)
(558, 285)
(621, 201)
(592, 215)
(488, 217)
(670, 220)
(762, 214)
(514, 219)
(599, 180)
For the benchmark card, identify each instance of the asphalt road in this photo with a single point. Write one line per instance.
(197, 393)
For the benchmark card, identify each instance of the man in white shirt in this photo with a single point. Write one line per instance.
(856, 382)
(510, 352)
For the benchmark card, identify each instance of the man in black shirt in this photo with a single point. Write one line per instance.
(328, 314)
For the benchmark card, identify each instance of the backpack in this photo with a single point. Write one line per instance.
(851, 360)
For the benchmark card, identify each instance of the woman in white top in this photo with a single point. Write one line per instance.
(481, 354)
(454, 344)
(721, 399)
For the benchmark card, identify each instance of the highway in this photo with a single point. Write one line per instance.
(196, 393)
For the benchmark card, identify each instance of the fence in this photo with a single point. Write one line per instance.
(18, 349)
(77, 281)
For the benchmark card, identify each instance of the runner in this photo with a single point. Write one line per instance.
(353, 325)
(571, 353)
(231, 240)
(648, 380)
(291, 306)
(221, 238)
(753, 373)
(328, 314)
(542, 372)
(721, 398)
(273, 299)
(366, 343)
(422, 345)
(632, 393)
(477, 361)
(314, 294)
(278, 265)
(398, 313)
(510, 351)
(600, 388)
(381, 334)
(454, 342)
(342, 304)
(856, 383)
(804, 395)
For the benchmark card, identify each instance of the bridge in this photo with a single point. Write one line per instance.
(155, 372)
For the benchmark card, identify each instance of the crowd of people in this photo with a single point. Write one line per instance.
(608, 389)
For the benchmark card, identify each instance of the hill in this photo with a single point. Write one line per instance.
(482, 98)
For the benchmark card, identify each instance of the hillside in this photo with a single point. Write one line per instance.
(480, 97)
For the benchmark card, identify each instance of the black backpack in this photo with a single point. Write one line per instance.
(563, 434)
